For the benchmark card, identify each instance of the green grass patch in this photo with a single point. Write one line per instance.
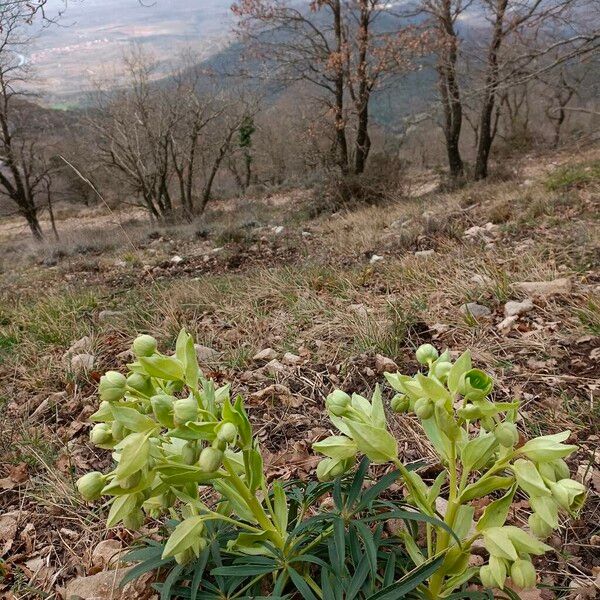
(573, 176)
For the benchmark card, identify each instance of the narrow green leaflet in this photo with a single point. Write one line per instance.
(459, 368)
(184, 536)
(132, 419)
(496, 512)
(163, 367)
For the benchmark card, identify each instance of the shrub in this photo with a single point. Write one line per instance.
(186, 452)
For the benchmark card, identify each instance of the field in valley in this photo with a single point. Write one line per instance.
(287, 306)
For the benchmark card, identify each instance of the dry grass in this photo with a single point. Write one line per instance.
(316, 295)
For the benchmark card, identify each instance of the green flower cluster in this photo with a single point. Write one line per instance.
(478, 443)
(170, 431)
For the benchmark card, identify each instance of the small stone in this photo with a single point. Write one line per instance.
(50, 261)
(278, 230)
(102, 586)
(375, 259)
(514, 309)
(475, 310)
(383, 364)
(110, 316)
(274, 367)
(177, 259)
(106, 553)
(545, 288)
(291, 359)
(425, 253)
(120, 264)
(82, 363)
(217, 250)
(81, 346)
(480, 279)
(306, 234)
(266, 354)
(205, 354)
(359, 309)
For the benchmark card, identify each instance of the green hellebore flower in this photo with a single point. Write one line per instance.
(338, 447)
(475, 384)
(338, 402)
(330, 468)
(118, 431)
(400, 403)
(506, 434)
(441, 370)
(491, 578)
(140, 383)
(134, 520)
(144, 345)
(227, 432)
(424, 408)
(185, 410)
(522, 572)
(547, 448)
(539, 527)
(103, 414)
(90, 485)
(189, 453)
(426, 354)
(210, 459)
(561, 469)
(162, 406)
(101, 435)
(113, 386)
(546, 470)
(488, 423)
(470, 412)
(569, 494)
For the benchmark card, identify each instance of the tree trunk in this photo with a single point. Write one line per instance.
(486, 137)
(34, 224)
(340, 125)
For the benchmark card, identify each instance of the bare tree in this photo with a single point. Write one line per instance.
(167, 142)
(346, 49)
(24, 170)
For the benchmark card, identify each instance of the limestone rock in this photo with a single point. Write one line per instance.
(81, 346)
(102, 586)
(82, 363)
(514, 309)
(291, 359)
(110, 316)
(383, 364)
(545, 289)
(425, 253)
(107, 553)
(205, 354)
(265, 354)
(475, 310)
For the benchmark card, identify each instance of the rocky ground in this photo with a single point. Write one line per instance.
(287, 307)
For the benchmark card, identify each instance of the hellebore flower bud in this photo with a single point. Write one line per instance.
(330, 468)
(539, 527)
(140, 383)
(144, 345)
(162, 406)
(227, 432)
(424, 408)
(522, 572)
(488, 423)
(470, 412)
(112, 386)
(426, 354)
(210, 459)
(441, 370)
(400, 403)
(524, 542)
(475, 384)
(189, 453)
(90, 485)
(118, 431)
(101, 435)
(506, 434)
(185, 410)
(568, 493)
(493, 576)
(337, 403)
(104, 413)
(134, 520)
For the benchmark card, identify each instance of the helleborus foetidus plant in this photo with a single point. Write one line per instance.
(171, 431)
(477, 442)
(177, 440)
